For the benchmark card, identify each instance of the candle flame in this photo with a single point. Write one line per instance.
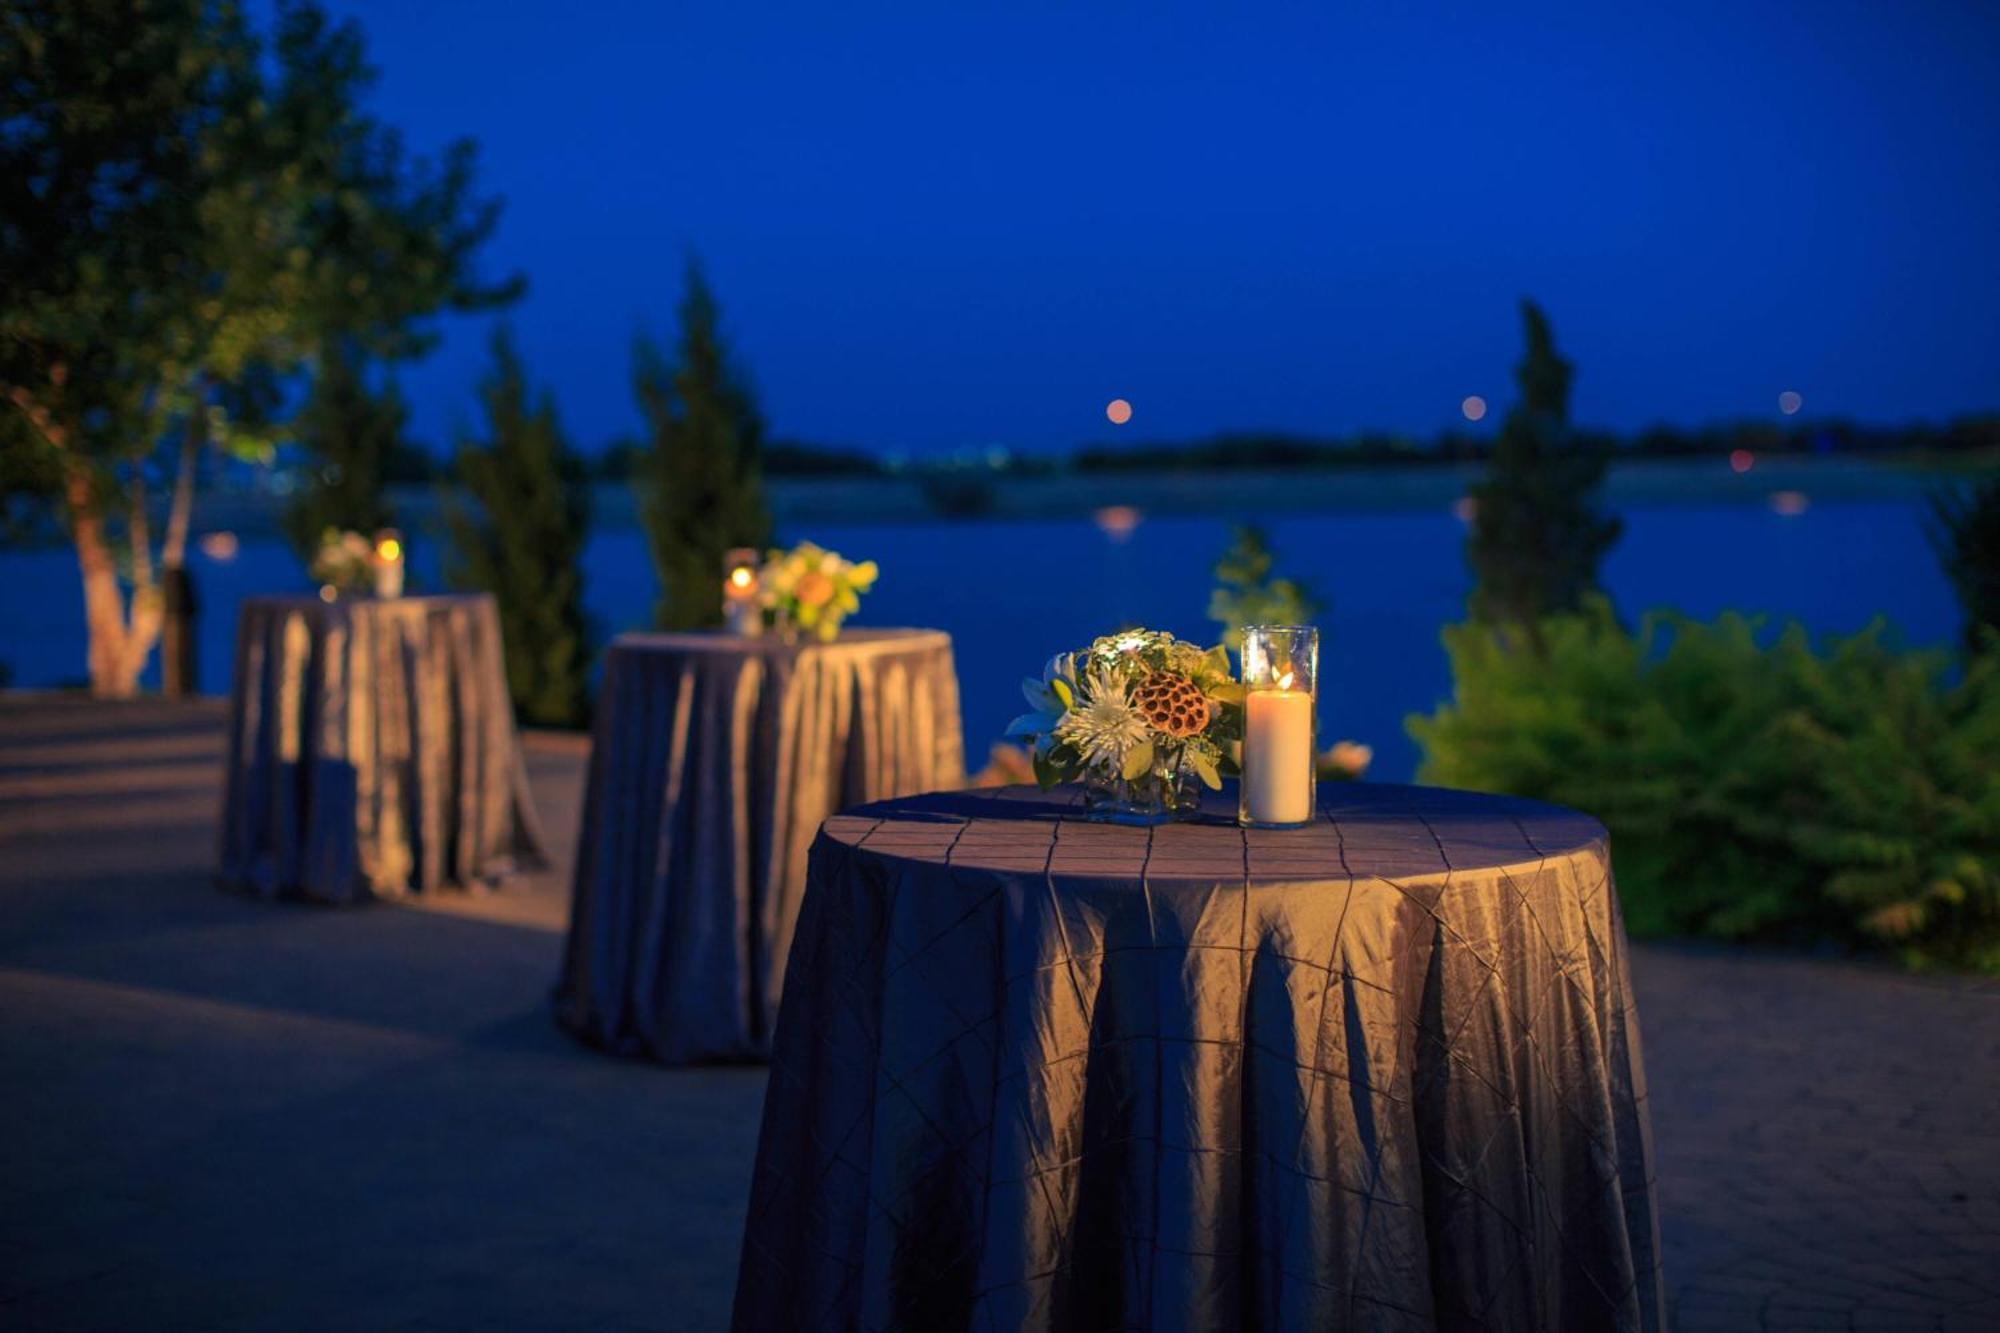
(389, 549)
(740, 577)
(1285, 681)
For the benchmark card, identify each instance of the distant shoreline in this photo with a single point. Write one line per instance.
(977, 495)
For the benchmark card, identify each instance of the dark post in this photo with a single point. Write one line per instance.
(177, 660)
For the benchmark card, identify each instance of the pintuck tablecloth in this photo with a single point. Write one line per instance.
(714, 762)
(372, 750)
(1038, 1073)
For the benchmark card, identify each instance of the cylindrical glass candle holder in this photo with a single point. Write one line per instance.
(740, 612)
(1280, 696)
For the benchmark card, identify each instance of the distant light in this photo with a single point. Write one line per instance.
(389, 550)
(1789, 402)
(1118, 521)
(1741, 460)
(1465, 509)
(218, 546)
(326, 592)
(741, 577)
(1474, 407)
(1118, 411)
(1789, 503)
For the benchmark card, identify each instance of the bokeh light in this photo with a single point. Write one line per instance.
(220, 547)
(1790, 402)
(389, 549)
(1118, 411)
(1741, 460)
(1474, 407)
(1789, 503)
(1117, 521)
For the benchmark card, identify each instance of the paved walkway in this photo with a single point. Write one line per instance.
(224, 1114)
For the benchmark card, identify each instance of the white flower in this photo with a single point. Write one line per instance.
(1103, 727)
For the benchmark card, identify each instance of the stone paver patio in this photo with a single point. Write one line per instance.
(223, 1114)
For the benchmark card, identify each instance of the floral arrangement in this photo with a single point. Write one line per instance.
(346, 561)
(812, 590)
(1138, 717)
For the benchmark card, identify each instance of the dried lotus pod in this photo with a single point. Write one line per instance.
(1171, 704)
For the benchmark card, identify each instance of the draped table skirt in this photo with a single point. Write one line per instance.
(1038, 1073)
(372, 750)
(715, 760)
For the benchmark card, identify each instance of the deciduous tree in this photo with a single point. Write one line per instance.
(186, 214)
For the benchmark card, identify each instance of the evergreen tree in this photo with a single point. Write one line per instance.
(1965, 533)
(1536, 536)
(351, 432)
(522, 540)
(700, 476)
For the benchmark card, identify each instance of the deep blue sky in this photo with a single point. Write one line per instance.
(943, 225)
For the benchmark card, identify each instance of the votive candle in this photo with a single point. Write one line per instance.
(388, 562)
(740, 612)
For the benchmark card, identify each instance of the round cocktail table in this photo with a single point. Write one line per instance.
(714, 762)
(372, 750)
(1035, 1072)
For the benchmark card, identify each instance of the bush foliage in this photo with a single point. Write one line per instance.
(1754, 787)
(1965, 533)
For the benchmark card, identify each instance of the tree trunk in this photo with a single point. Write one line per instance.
(177, 601)
(103, 605)
(142, 620)
(173, 551)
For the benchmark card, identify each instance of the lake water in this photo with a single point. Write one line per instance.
(1011, 592)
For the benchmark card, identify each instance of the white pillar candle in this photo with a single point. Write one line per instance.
(1278, 756)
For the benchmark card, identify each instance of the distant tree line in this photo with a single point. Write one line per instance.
(1969, 434)
(1279, 451)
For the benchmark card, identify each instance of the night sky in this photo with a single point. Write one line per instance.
(949, 225)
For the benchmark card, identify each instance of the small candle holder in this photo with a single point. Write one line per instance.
(741, 613)
(1280, 709)
(386, 562)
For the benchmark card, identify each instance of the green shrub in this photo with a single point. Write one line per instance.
(1753, 788)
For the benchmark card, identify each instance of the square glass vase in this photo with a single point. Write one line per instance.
(1164, 795)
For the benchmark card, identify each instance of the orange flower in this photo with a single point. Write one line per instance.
(814, 589)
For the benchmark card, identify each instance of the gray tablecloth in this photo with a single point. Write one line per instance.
(714, 763)
(1036, 1073)
(372, 750)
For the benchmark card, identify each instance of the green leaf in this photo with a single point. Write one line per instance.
(1205, 769)
(1138, 760)
(1062, 691)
